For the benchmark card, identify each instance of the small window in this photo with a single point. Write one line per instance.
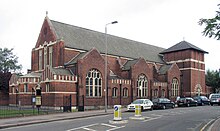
(25, 88)
(125, 92)
(114, 92)
(47, 87)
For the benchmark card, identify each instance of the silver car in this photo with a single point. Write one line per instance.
(214, 99)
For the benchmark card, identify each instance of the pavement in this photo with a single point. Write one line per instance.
(213, 125)
(27, 120)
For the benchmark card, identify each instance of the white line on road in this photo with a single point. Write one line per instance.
(88, 129)
(206, 125)
(108, 125)
(82, 127)
(115, 128)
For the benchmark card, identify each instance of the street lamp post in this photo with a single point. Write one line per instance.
(106, 52)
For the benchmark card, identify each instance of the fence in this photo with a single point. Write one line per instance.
(25, 106)
(86, 102)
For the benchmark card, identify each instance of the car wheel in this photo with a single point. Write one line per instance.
(164, 107)
(142, 108)
(203, 104)
(187, 105)
(173, 106)
(151, 108)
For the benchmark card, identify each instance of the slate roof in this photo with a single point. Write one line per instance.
(183, 45)
(128, 64)
(85, 39)
(60, 71)
(74, 60)
(163, 69)
(32, 74)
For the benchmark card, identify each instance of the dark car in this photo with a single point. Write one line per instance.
(202, 100)
(162, 103)
(186, 101)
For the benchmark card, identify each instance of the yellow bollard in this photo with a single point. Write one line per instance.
(117, 116)
(137, 110)
(137, 115)
(117, 112)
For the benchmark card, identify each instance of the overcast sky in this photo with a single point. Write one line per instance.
(161, 23)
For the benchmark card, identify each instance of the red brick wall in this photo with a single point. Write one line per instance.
(114, 65)
(141, 67)
(93, 60)
(171, 74)
(197, 77)
(69, 55)
(46, 34)
(189, 69)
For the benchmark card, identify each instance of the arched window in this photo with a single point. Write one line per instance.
(175, 87)
(114, 92)
(125, 92)
(93, 83)
(142, 86)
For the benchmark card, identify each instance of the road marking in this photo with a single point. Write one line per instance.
(206, 125)
(82, 127)
(88, 129)
(108, 125)
(115, 128)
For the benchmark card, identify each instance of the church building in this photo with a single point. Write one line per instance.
(70, 65)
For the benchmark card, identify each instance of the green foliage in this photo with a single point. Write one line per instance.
(212, 26)
(8, 61)
(212, 79)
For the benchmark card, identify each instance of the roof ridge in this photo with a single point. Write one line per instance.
(84, 39)
(182, 45)
(108, 34)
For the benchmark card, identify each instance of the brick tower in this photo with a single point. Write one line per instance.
(190, 60)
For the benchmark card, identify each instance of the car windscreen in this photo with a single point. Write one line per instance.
(155, 100)
(138, 102)
(203, 97)
(182, 99)
(215, 96)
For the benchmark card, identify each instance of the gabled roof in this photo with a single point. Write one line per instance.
(74, 60)
(60, 71)
(163, 69)
(85, 39)
(32, 74)
(128, 64)
(183, 45)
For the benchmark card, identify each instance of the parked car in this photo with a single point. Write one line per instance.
(146, 104)
(202, 100)
(162, 103)
(214, 99)
(186, 101)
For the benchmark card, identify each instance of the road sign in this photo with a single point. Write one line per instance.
(117, 112)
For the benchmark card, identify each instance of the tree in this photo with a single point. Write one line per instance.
(8, 64)
(212, 79)
(8, 61)
(212, 26)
